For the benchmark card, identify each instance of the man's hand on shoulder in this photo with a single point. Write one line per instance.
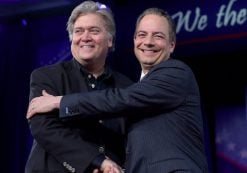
(43, 104)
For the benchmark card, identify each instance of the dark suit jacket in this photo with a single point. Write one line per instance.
(70, 147)
(166, 129)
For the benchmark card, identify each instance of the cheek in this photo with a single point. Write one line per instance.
(104, 43)
(73, 47)
(73, 50)
(73, 43)
(165, 47)
(136, 50)
(137, 43)
(75, 40)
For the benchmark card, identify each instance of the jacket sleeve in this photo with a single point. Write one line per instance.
(164, 88)
(62, 142)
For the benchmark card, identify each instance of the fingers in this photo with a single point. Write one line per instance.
(32, 108)
(33, 100)
(117, 170)
(109, 166)
(30, 113)
(110, 170)
(95, 171)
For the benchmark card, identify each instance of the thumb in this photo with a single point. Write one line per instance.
(44, 93)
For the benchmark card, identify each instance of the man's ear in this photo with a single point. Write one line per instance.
(172, 46)
(110, 42)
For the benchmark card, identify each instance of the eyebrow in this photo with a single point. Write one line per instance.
(153, 33)
(88, 27)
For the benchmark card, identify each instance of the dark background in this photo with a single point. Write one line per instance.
(33, 33)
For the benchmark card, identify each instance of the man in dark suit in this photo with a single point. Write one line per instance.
(165, 133)
(71, 147)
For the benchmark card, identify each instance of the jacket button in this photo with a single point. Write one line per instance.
(102, 149)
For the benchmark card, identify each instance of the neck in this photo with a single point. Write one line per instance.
(145, 70)
(96, 71)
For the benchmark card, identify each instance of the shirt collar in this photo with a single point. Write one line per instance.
(142, 75)
(105, 75)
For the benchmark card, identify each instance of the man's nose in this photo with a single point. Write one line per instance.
(86, 36)
(149, 41)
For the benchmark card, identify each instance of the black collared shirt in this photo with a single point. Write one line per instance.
(105, 80)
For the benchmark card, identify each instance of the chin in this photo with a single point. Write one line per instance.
(86, 58)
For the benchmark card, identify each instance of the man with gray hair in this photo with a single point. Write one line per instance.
(79, 146)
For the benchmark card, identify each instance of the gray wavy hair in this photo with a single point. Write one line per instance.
(95, 8)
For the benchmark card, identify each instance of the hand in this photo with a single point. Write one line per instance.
(43, 104)
(96, 171)
(109, 166)
(107, 170)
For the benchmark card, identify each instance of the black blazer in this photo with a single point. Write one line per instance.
(164, 112)
(71, 147)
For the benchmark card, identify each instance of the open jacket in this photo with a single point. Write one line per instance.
(71, 147)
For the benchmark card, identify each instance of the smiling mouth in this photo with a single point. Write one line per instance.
(86, 46)
(148, 51)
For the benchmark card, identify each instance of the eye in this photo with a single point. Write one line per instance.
(140, 35)
(95, 31)
(159, 36)
(77, 31)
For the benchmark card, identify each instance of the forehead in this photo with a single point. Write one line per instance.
(153, 23)
(89, 20)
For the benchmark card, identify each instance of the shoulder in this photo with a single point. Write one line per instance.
(172, 69)
(173, 63)
(54, 69)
